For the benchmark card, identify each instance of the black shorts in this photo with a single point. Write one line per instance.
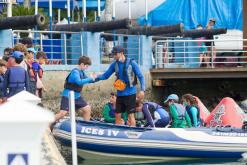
(209, 43)
(79, 103)
(126, 104)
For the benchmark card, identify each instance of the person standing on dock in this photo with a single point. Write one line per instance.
(3, 69)
(202, 48)
(37, 67)
(31, 52)
(211, 54)
(127, 71)
(16, 78)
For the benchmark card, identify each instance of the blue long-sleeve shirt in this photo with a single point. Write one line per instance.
(157, 114)
(147, 115)
(128, 90)
(193, 113)
(1, 84)
(77, 77)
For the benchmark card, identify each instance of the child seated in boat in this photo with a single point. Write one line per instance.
(150, 114)
(179, 116)
(192, 109)
(109, 111)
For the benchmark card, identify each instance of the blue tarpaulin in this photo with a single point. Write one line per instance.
(228, 13)
(92, 4)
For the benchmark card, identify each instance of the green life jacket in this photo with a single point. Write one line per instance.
(128, 71)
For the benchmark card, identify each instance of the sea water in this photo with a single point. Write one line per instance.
(98, 161)
(174, 162)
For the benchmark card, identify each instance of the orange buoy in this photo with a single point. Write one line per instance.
(204, 112)
(227, 112)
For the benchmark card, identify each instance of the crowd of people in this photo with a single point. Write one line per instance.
(21, 69)
(204, 51)
(150, 114)
(126, 107)
(207, 50)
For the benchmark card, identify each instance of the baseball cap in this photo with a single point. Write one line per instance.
(172, 97)
(117, 49)
(212, 19)
(32, 50)
(17, 55)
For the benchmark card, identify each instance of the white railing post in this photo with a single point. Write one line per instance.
(68, 11)
(129, 9)
(155, 54)
(36, 7)
(84, 11)
(211, 50)
(73, 127)
(41, 41)
(185, 54)
(99, 14)
(113, 9)
(95, 16)
(167, 51)
(65, 49)
(139, 50)
(146, 11)
(81, 43)
(50, 14)
(9, 8)
(58, 15)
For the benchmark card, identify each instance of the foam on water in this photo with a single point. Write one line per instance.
(244, 155)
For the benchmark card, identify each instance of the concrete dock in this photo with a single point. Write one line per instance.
(50, 152)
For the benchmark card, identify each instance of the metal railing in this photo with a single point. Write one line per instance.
(182, 53)
(60, 47)
(7, 1)
(130, 43)
(66, 47)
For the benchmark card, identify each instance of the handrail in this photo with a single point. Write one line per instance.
(174, 53)
(205, 40)
(56, 32)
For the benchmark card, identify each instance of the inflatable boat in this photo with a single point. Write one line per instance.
(158, 143)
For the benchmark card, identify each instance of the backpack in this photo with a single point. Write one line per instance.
(127, 71)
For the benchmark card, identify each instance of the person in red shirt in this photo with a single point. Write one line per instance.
(37, 67)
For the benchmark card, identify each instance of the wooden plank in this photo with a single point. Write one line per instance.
(159, 83)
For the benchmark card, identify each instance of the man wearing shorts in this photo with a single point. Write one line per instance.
(127, 71)
(211, 54)
(75, 81)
